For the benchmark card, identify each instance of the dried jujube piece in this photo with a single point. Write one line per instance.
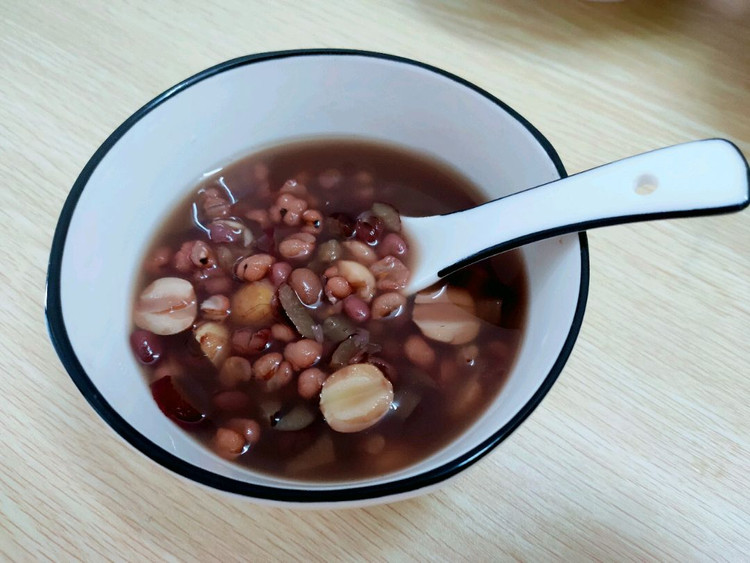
(172, 403)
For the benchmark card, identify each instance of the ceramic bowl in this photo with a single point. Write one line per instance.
(147, 165)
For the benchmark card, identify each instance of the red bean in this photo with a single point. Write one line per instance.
(231, 401)
(247, 428)
(254, 268)
(297, 246)
(194, 254)
(280, 377)
(374, 444)
(266, 366)
(280, 272)
(329, 178)
(313, 221)
(388, 305)
(364, 179)
(303, 353)
(419, 352)
(306, 284)
(228, 231)
(359, 251)
(448, 372)
(392, 245)
(228, 443)
(218, 284)
(310, 382)
(213, 281)
(259, 216)
(283, 333)
(356, 309)
(369, 228)
(390, 273)
(261, 172)
(337, 288)
(147, 347)
(288, 209)
(214, 203)
(295, 187)
(235, 370)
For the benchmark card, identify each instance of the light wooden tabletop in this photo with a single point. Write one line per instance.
(640, 451)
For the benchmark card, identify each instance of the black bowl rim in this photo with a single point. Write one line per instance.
(63, 347)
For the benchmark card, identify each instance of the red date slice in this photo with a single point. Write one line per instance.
(172, 404)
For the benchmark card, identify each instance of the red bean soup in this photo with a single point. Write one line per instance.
(269, 320)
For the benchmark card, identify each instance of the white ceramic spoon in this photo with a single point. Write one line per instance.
(697, 178)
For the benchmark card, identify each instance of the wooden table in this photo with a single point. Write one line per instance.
(641, 451)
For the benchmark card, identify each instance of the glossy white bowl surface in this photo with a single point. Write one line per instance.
(148, 165)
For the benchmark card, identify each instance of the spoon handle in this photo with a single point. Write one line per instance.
(691, 179)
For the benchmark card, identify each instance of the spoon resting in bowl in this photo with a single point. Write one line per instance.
(692, 179)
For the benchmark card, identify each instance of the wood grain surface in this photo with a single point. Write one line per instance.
(642, 449)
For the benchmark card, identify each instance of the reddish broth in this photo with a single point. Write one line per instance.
(245, 221)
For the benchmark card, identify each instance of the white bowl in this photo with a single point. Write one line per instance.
(146, 166)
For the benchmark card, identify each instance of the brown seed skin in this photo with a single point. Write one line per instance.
(215, 308)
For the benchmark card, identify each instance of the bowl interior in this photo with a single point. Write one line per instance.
(249, 107)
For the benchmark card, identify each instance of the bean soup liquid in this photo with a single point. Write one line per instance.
(284, 268)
